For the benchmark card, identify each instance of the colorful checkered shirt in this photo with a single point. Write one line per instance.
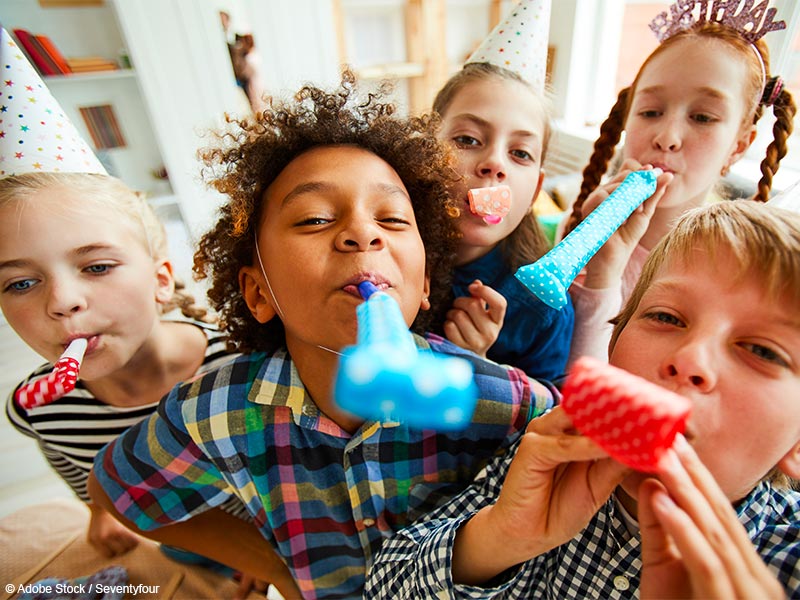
(324, 498)
(602, 561)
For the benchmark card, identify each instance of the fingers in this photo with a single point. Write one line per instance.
(495, 303)
(705, 529)
(475, 321)
(656, 545)
(115, 544)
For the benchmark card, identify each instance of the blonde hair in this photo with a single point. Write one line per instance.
(127, 204)
(764, 241)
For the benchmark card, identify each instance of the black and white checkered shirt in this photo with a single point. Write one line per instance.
(603, 561)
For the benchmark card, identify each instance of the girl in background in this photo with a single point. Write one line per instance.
(691, 111)
(496, 116)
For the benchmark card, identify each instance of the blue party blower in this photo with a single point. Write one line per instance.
(385, 378)
(549, 277)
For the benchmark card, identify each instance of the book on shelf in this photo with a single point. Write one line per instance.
(90, 64)
(103, 126)
(53, 52)
(37, 53)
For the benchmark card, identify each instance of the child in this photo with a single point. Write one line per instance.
(541, 523)
(325, 193)
(495, 115)
(81, 255)
(691, 111)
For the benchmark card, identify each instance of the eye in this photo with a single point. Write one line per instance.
(312, 221)
(650, 114)
(660, 316)
(702, 118)
(522, 154)
(99, 269)
(22, 285)
(463, 141)
(764, 353)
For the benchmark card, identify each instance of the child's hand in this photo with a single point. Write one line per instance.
(693, 546)
(556, 483)
(475, 321)
(109, 536)
(247, 584)
(608, 264)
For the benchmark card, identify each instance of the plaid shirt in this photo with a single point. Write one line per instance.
(602, 561)
(324, 498)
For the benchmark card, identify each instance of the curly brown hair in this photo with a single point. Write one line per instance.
(254, 151)
(783, 107)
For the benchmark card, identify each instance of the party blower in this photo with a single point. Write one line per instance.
(61, 380)
(385, 378)
(549, 277)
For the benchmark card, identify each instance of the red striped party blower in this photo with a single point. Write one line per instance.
(60, 381)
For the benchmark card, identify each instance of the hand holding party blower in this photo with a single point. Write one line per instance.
(549, 277)
(385, 378)
(60, 381)
(632, 419)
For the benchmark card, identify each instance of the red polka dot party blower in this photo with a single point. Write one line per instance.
(61, 380)
(632, 419)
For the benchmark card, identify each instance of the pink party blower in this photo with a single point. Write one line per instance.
(60, 381)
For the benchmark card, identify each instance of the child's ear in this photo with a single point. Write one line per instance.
(165, 281)
(538, 188)
(743, 142)
(256, 295)
(425, 304)
(790, 463)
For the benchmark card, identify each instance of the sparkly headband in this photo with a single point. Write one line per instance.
(751, 22)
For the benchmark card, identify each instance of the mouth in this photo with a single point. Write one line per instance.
(380, 282)
(663, 167)
(92, 340)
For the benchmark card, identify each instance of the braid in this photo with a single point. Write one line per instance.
(784, 110)
(610, 133)
(189, 307)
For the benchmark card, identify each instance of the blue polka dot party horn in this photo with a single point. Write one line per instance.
(549, 277)
(385, 378)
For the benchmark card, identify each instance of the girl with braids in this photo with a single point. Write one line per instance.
(324, 192)
(82, 255)
(691, 111)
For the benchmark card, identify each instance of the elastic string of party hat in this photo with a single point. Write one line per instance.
(275, 300)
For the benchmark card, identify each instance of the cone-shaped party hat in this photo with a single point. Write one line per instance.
(35, 134)
(519, 42)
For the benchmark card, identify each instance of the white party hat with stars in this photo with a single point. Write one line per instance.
(519, 42)
(35, 134)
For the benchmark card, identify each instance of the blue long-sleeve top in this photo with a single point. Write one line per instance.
(535, 337)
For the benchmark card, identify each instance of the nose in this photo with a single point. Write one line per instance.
(691, 366)
(668, 138)
(360, 234)
(491, 164)
(65, 299)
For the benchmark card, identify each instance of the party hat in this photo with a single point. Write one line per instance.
(519, 43)
(35, 133)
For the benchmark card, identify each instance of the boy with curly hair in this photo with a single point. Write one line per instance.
(324, 193)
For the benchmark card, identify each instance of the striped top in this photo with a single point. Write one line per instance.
(72, 430)
(325, 499)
